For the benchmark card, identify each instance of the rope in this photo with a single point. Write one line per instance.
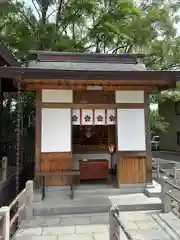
(18, 134)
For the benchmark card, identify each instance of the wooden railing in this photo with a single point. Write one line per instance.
(20, 209)
(115, 224)
(3, 169)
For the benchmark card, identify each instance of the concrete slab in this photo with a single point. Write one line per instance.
(141, 225)
(100, 204)
(41, 222)
(152, 225)
(30, 231)
(136, 202)
(93, 228)
(101, 236)
(58, 230)
(100, 219)
(54, 237)
(76, 237)
(75, 220)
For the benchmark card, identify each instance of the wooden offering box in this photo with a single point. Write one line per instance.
(94, 169)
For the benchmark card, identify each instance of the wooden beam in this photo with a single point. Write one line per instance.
(38, 131)
(37, 86)
(92, 106)
(131, 88)
(105, 87)
(148, 138)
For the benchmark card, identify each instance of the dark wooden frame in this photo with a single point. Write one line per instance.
(7, 56)
(177, 108)
(178, 137)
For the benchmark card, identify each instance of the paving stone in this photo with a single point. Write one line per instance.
(99, 219)
(151, 234)
(130, 225)
(75, 237)
(29, 231)
(139, 217)
(58, 230)
(40, 222)
(147, 225)
(105, 236)
(75, 220)
(101, 236)
(54, 237)
(93, 228)
(168, 227)
(169, 216)
(144, 225)
(76, 215)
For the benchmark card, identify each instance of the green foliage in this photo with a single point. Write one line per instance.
(157, 122)
(105, 26)
(108, 26)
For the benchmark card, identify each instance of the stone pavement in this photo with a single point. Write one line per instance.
(67, 227)
(144, 225)
(151, 225)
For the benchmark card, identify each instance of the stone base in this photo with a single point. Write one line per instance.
(132, 188)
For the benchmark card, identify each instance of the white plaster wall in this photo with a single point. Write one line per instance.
(77, 157)
(131, 130)
(56, 130)
(57, 96)
(129, 96)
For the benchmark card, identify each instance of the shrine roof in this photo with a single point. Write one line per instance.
(6, 57)
(88, 66)
(86, 61)
(52, 56)
(85, 75)
(121, 69)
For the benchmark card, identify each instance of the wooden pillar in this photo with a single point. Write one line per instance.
(1, 96)
(38, 137)
(148, 139)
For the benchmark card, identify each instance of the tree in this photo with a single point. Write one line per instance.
(104, 26)
(157, 123)
(108, 26)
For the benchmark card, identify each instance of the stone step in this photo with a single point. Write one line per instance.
(129, 202)
(86, 195)
(64, 210)
(154, 191)
(102, 191)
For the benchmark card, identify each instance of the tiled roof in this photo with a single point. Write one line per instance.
(7, 56)
(87, 66)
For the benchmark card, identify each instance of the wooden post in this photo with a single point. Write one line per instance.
(4, 168)
(114, 228)
(5, 212)
(158, 169)
(29, 199)
(175, 174)
(166, 201)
